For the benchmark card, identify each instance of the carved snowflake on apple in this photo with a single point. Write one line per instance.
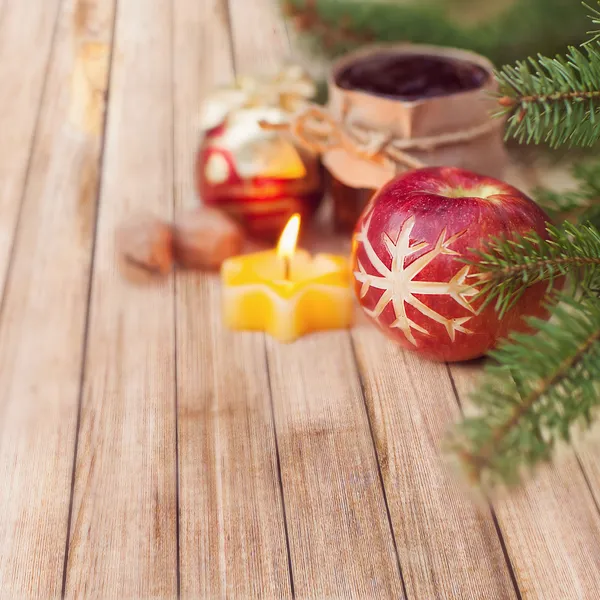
(400, 287)
(406, 260)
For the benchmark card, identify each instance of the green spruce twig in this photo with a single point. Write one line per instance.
(506, 268)
(553, 100)
(539, 388)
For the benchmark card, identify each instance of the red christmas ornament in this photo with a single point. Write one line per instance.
(257, 175)
(405, 250)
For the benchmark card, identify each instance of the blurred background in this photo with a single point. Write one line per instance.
(503, 30)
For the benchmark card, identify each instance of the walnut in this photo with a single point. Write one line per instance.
(204, 238)
(146, 242)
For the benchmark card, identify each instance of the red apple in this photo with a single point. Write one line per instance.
(405, 250)
(260, 178)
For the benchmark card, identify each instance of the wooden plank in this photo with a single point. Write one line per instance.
(340, 539)
(260, 40)
(332, 490)
(42, 324)
(123, 541)
(587, 445)
(550, 524)
(232, 528)
(26, 32)
(232, 532)
(447, 544)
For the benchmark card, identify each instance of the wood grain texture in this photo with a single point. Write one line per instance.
(587, 445)
(550, 525)
(26, 33)
(232, 527)
(42, 323)
(123, 524)
(232, 532)
(260, 39)
(340, 539)
(447, 543)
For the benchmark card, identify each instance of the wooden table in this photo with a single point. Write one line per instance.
(144, 450)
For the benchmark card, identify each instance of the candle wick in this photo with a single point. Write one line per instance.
(286, 267)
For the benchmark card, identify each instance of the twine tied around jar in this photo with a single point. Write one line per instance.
(315, 128)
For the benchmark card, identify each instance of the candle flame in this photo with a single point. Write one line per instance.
(289, 237)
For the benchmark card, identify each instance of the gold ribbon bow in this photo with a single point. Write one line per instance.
(289, 90)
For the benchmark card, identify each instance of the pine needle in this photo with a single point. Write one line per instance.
(505, 268)
(553, 100)
(595, 18)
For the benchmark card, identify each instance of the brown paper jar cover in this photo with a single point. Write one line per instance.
(427, 129)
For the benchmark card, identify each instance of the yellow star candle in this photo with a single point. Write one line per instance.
(286, 292)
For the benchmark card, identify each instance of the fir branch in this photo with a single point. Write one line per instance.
(556, 101)
(506, 268)
(540, 387)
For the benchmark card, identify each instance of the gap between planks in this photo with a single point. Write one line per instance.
(175, 339)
